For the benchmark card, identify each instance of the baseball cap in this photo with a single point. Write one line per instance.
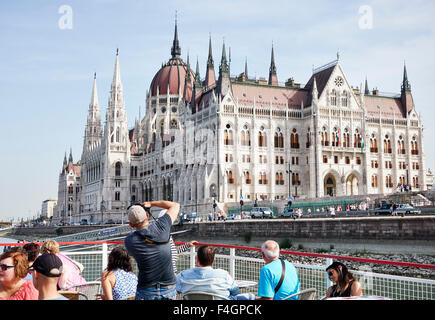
(136, 214)
(48, 265)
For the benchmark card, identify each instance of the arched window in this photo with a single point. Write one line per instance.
(308, 144)
(262, 138)
(118, 169)
(324, 137)
(295, 179)
(294, 139)
(356, 139)
(247, 177)
(401, 146)
(333, 98)
(70, 189)
(388, 182)
(230, 177)
(279, 178)
(373, 144)
(245, 136)
(335, 140)
(374, 181)
(262, 178)
(345, 99)
(279, 139)
(228, 136)
(346, 138)
(414, 146)
(117, 134)
(387, 144)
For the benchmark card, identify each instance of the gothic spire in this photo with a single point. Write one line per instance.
(197, 83)
(246, 68)
(366, 88)
(406, 86)
(94, 97)
(175, 50)
(210, 78)
(65, 163)
(273, 79)
(224, 68)
(117, 72)
(70, 156)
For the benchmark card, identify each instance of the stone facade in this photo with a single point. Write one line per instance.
(235, 137)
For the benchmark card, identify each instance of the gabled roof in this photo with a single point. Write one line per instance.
(322, 77)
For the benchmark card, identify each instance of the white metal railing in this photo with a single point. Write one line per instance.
(247, 268)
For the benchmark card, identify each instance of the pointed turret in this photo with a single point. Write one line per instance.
(93, 131)
(406, 86)
(175, 50)
(224, 82)
(406, 95)
(70, 159)
(210, 78)
(273, 79)
(65, 163)
(188, 80)
(246, 68)
(366, 88)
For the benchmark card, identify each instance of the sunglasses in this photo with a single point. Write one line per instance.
(5, 267)
(330, 273)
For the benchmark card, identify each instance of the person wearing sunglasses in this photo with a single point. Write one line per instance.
(150, 246)
(13, 268)
(345, 283)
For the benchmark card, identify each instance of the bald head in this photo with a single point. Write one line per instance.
(270, 249)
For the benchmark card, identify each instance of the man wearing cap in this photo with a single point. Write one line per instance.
(149, 245)
(47, 270)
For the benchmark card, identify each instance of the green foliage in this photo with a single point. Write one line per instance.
(285, 243)
(247, 236)
(300, 247)
(59, 231)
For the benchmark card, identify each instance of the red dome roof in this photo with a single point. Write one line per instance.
(172, 77)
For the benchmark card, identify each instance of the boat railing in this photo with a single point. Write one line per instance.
(244, 263)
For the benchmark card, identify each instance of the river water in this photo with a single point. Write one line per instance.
(6, 240)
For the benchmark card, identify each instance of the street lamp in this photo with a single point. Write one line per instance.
(122, 212)
(102, 211)
(289, 199)
(241, 196)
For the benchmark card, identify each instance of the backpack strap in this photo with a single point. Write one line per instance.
(282, 277)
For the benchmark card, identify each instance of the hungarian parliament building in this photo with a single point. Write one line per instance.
(222, 138)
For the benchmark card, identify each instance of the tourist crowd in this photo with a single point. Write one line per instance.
(33, 272)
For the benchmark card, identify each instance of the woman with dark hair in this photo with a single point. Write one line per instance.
(118, 281)
(345, 283)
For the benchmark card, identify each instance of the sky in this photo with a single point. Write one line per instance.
(50, 50)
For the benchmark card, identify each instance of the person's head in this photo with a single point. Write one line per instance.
(13, 266)
(119, 259)
(32, 251)
(47, 269)
(137, 216)
(339, 273)
(205, 256)
(270, 250)
(50, 246)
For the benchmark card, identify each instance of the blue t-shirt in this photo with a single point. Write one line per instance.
(154, 261)
(270, 275)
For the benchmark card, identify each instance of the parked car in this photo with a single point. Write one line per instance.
(84, 222)
(234, 216)
(289, 213)
(261, 212)
(385, 209)
(109, 221)
(406, 208)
